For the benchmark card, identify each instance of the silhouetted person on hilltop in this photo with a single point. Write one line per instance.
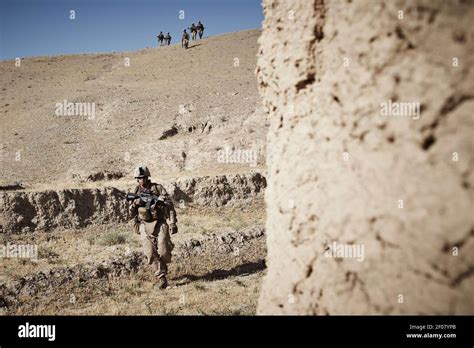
(193, 30)
(200, 29)
(168, 39)
(185, 39)
(160, 38)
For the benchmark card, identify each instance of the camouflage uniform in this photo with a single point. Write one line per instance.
(185, 39)
(153, 228)
(193, 30)
(200, 29)
(168, 39)
(160, 38)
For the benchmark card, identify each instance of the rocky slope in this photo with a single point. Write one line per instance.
(173, 109)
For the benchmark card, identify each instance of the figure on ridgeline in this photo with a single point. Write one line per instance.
(193, 30)
(200, 29)
(185, 39)
(168, 39)
(160, 38)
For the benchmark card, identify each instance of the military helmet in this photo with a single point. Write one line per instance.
(141, 172)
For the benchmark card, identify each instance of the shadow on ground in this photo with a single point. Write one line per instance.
(246, 268)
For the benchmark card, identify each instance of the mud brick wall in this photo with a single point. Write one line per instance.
(370, 148)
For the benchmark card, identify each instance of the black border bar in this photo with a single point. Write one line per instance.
(193, 330)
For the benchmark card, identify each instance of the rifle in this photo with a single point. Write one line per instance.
(149, 199)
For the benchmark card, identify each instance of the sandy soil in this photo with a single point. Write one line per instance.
(208, 93)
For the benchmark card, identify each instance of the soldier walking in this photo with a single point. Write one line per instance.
(200, 29)
(168, 39)
(193, 30)
(160, 38)
(151, 223)
(185, 39)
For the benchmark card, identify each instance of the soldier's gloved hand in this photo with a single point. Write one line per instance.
(137, 202)
(173, 229)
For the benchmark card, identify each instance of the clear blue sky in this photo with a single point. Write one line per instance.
(42, 27)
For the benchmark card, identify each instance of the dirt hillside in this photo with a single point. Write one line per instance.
(171, 108)
(194, 117)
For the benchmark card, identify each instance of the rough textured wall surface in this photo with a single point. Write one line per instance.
(342, 170)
